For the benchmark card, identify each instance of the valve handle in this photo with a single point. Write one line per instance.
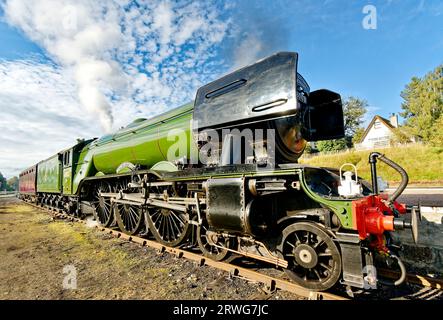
(353, 166)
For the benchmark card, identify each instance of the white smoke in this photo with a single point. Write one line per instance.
(127, 59)
(77, 35)
(249, 50)
(260, 34)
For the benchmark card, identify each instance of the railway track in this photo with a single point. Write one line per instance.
(414, 279)
(271, 283)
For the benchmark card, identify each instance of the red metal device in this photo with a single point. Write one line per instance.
(374, 215)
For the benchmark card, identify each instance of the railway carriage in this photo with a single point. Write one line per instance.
(27, 180)
(221, 174)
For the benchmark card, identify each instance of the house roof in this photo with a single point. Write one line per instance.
(384, 121)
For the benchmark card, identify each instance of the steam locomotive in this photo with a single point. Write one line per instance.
(221, 174)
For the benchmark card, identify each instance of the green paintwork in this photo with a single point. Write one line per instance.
(84, 168)
(67, 180)
(142, 143)
(124, 170)
(70, 168)
(49, 175)
(164, 166)
(342, 208)
(67, 172)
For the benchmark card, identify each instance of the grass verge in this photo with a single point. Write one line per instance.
(424, 164)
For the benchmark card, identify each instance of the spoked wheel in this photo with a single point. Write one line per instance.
(169, 227)
(206, 240)
(118, 185)
(102, 205)
(314, 261)
(129, 218)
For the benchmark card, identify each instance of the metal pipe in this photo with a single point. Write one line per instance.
(400, 280)
(404, 177)
(373, 161)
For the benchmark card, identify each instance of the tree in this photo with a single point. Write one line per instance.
(354, 110)
(437, 135)
(423, 105)
(13, 184)
(358, 135)
(332, 145)
(400, 136)
(3, 183)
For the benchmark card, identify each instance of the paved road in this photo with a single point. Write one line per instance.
(430, 197)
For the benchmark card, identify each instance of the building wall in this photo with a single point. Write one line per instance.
(378, 136)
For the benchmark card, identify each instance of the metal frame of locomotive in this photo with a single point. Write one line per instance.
(267, 207)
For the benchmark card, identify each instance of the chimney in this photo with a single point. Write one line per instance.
(394, 120)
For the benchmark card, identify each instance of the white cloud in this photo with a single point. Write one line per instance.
(249, 50)
(113, 62)
(163, 21)
(39, 114)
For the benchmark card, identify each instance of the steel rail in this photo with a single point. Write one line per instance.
(270, 282)
(413, 279)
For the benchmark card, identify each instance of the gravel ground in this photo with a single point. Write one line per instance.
(35, 249)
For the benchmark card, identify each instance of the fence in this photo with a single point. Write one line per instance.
(378, 143)
(4, 194)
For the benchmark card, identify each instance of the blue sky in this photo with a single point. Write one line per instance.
(86, 67)
(337, 53)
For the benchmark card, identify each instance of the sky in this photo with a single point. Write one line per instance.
(80, 68)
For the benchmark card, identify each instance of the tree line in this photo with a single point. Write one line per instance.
(8, 184)
(422, 110)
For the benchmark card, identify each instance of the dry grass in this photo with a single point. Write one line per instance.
(34, 250)
(424, 164)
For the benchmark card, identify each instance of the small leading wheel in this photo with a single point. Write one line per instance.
(169, 227)
(129, 218)
(314, 261)
(102, 205)
(206, 240)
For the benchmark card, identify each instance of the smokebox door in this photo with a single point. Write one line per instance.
(263, 90)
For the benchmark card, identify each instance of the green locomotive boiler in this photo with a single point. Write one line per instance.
(221, 174)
